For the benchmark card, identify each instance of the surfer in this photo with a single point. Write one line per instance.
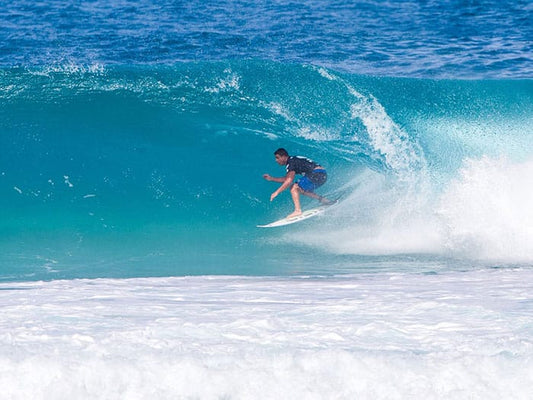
(313, 177)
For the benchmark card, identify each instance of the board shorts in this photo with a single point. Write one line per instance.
(312, 181)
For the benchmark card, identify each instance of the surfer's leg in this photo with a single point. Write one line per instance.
(312, 195)
(315, 196)
(308, 186)
(295, 193)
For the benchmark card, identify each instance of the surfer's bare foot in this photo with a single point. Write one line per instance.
(295, 214)
(325, 202)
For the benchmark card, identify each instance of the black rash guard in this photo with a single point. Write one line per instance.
(301, 165)
(308, 168)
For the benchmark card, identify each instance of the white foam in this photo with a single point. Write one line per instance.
(488, 210)
(401, 154)
(230, 82)
(485, 213)
(68, 68)
(389, 336)
(67, 181)
(377, 218)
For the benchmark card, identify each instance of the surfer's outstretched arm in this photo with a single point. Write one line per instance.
(285, 183)
(274, 179)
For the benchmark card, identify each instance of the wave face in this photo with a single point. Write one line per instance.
(135, 171)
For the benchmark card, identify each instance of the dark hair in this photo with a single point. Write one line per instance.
(282, 152)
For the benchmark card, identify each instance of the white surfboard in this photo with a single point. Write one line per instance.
(303, 216)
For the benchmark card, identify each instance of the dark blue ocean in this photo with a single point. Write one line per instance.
(423, 39)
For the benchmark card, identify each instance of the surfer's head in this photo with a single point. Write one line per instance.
(282, 156)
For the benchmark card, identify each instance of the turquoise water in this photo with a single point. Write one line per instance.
(143, 171)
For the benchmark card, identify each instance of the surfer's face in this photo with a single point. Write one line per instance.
(281, 160)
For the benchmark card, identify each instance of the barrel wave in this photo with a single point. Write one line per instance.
(156, 171)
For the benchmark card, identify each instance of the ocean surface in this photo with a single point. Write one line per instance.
(133, 140)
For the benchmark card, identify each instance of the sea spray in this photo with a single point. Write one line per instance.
(487, 211)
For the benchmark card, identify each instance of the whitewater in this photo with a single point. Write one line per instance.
(388, 336)
(133, 140)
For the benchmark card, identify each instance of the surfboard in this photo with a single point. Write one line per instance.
(302, 217)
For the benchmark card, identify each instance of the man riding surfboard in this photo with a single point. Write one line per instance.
(313, 177)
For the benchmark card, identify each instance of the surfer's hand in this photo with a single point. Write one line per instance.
(267, 177)
(273, 195)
